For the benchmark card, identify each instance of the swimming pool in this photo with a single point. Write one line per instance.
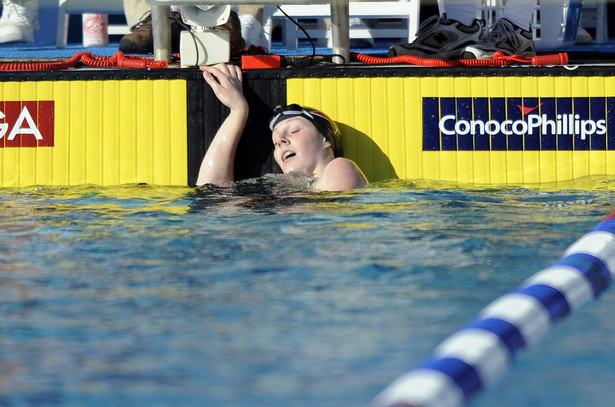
(260, 295)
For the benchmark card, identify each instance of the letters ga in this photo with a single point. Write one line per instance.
(27, 123)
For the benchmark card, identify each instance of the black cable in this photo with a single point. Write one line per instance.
(187, 28)
(304, 32)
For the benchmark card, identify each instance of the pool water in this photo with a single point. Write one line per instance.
(262, 295)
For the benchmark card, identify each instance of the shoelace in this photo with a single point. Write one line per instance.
(146, 23)
(502, 29)
(430, 24)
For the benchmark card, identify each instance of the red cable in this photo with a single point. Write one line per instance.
(87, 58)
(498, 59)
(131, 61)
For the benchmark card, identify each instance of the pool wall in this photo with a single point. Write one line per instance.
(521, 126)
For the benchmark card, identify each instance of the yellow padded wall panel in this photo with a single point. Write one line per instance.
(60, 154)
(382, 123)
(564, 158)
(113, 133)
(107, 132)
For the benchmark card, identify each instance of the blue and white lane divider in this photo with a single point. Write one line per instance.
(476, 355)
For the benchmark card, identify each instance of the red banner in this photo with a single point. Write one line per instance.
(27, 123)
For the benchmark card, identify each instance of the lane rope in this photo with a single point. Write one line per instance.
(476, 355)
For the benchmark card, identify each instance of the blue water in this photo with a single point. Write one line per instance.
(260, 295)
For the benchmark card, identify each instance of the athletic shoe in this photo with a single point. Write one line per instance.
(583, 37)
(505, 37)
(19, 20)
(252, 30)
(441, 38)
(141, 41)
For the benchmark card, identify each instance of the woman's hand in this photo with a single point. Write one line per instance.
(226, 82)
(218, 164)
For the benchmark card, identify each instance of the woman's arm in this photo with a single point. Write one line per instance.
(218, 164)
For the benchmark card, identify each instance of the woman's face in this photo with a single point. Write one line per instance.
(299, 146)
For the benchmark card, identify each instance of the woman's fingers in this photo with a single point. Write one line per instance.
(224, 74)
(238, 73)
(211, 81)
(224, 70)
(225, 81)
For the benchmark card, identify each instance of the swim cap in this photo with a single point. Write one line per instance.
(321, 121)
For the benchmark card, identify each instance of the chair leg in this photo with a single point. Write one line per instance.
(268, 25)
(414, 11)
(290, 35)
(62, 27)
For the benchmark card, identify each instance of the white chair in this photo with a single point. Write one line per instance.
(398, 19)
(67, 7)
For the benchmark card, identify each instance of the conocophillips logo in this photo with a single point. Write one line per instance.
(518, 124)
(27, 123)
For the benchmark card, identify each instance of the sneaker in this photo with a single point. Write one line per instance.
(441, 38)
(505, 37)
(19, 20)
(252, 30)
(141, 41)
(583, 37)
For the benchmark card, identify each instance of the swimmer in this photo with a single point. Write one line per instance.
(305, 141)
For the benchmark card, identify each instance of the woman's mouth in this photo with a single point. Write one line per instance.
(287, 155)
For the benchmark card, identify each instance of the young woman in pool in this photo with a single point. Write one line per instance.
(305, 140)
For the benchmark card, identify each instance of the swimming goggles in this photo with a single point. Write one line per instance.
(283, 113)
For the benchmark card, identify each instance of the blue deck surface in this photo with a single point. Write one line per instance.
(48, 50)
(43, 50)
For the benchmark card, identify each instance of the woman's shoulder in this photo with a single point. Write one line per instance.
(341, 174)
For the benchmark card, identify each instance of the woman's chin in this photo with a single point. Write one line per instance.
(295, 167)
(289, 168)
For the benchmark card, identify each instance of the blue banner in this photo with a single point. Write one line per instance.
(518, 124)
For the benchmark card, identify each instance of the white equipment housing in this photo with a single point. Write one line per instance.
(203, 44)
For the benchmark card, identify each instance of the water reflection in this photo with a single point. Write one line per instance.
(263, 293)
